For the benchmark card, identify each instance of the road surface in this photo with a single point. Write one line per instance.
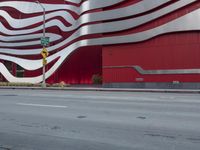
(75, 120)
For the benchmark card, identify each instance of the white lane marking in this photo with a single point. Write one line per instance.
(41, 105)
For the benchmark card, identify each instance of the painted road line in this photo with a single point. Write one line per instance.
(41, 105)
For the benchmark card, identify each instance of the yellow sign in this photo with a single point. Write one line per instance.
(44, 53)
(44, 61)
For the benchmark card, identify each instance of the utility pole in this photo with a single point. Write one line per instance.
(44, 48)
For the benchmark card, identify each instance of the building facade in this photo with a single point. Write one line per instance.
(130, 43)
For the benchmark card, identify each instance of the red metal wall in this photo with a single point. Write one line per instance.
(80, 66)
(170, 51)
(175, 51)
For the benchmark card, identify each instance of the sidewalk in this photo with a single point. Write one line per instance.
(197, 91)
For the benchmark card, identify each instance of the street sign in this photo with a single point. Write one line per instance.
(44, 41)
(44, 53)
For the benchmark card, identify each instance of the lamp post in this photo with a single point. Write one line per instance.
(44, 35)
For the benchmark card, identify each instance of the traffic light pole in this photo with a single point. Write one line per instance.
(44, 32)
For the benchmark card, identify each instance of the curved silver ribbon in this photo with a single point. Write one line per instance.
(140, 7)
(102, 28)
(22, 23)
(74, 1)
(53, 37)
(32, 7)
(178, 25)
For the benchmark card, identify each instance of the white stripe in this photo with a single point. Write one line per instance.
(22, 23)
(41, 105)
(53, 37)
(89, 29)
(74, 1)
(32, 7)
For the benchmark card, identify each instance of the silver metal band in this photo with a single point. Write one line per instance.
(158, 71)
(188, 22)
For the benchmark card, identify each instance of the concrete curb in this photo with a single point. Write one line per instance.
(197, 91)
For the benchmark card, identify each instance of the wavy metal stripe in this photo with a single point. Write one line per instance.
(53, 37)
(177, 25)
(180, 24)
(135, 9)
(32, 7)
(49, 24)
(86, 18)
(157, 71)
(22, 23)
(33, 42)
(74, 1)
(165, 71)
(101, 28)
(96, 4)
(26, 63)
(15, 23)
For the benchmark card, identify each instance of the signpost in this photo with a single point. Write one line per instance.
(44, 41)
(44, 54)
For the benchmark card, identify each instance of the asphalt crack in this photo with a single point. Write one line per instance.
(56, 128)
(9, 95)
(141, 117)
(4, 147)
(160, 135)
(196, 140)
(81, 117)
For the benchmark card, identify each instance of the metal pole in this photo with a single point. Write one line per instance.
(44, 32)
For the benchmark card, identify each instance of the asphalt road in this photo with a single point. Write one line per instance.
(75, 120)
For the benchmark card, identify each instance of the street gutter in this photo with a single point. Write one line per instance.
(197, 91)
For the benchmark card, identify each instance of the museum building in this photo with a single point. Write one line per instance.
(126, 43)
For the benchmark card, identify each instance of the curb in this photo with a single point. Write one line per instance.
(107, 89)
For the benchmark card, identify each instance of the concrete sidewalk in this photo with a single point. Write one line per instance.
(106, 89)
